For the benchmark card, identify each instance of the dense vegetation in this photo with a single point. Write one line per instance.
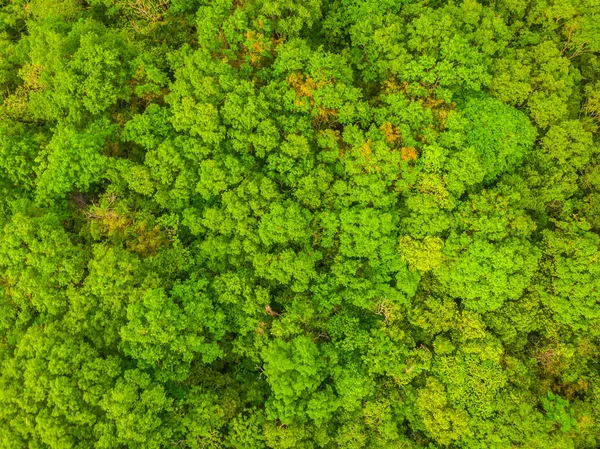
(299, 224)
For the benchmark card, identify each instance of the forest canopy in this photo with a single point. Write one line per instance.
(299, 224)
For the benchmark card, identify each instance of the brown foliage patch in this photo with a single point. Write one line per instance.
(409, 153)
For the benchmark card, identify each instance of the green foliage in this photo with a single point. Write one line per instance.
(501, 135)
(299, 224)
(294, 371)
(73, 161)
(557, 409)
